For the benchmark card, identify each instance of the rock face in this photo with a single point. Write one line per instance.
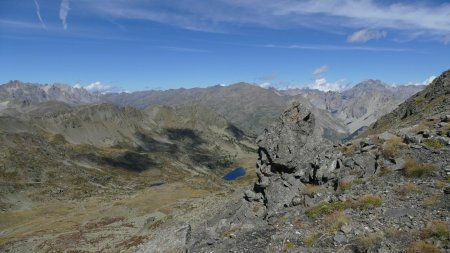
(433, 100)
(312, 196)
(291, 153)
(26, 94)
(362, 104)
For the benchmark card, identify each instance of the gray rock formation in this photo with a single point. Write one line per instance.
(292, 153)
(281, 212)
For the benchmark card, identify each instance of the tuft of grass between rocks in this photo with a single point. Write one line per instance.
(415, 169)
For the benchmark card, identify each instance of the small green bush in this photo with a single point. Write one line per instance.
(369, 200)
(436, 229)
(325, 208)
(289, 246)
(310, 239)
(433, 143)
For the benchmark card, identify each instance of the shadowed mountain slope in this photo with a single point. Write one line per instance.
(247, 106)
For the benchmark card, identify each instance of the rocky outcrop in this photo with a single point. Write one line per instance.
(312, 196)
(292, 153)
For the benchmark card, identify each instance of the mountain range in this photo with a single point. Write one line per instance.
(130, 169)
(388, 191)
(247, 106)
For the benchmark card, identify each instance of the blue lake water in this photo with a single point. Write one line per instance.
(238, 172)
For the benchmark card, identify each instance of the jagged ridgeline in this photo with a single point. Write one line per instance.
(433, 100)
(246, 106)
(159, 168)
(249, 107)
(384, 193)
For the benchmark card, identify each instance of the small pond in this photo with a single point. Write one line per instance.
(238, 172)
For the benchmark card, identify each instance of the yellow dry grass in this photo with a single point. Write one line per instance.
(393, 147)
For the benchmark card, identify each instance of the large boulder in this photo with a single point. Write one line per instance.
(291, 154)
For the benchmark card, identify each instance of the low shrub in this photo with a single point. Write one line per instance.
(348, 150)
(365, 242)
(289, 246)
(433, 143)
(310, 239)
(367, 201)
(406, 188)
(334, 221)
(415, 169)
(431, 201)
(392, 147)
(344, 185)
(312, 189)
(436, 229)
(422, 247)
(384, 171)
(325, 208)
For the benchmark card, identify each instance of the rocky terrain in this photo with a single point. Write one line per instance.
(362, 104)
(247, 106)
(97, 177)
(81, 176)
(16, 94)
(387, 192)
(431, 101)
(251, 107)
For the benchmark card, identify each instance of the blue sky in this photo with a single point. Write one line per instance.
(162, 44)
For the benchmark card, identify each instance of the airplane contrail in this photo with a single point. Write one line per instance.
(38, 13)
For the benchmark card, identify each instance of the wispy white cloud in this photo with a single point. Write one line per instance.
(428, 20)
(406, 16)
(18, 24)
(424, 82)
(98, 87)
(320, 70)
(64, 12)
(338, 48)
(183, 49)
(38, 13)
(365, 35)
